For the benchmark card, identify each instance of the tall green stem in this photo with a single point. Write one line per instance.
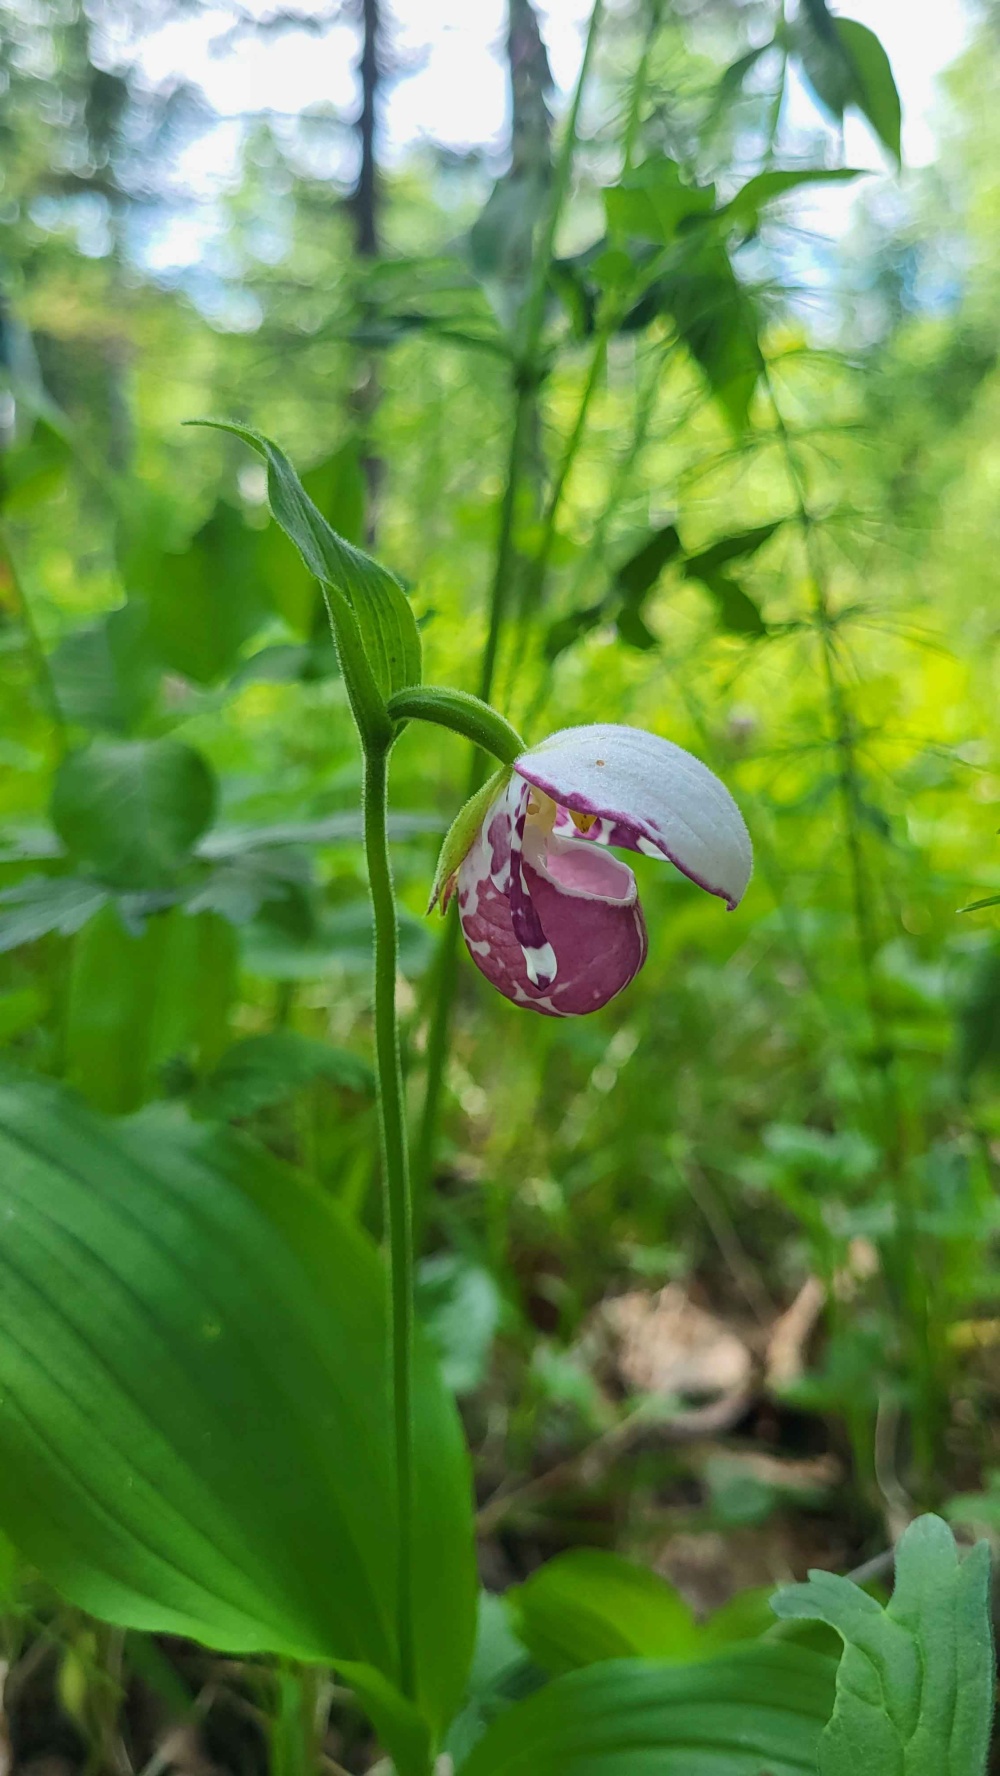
(398, 1209)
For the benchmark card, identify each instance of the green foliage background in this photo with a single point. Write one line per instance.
(771, 537)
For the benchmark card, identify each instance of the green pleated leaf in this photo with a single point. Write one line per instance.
(195, 1434)
(756, 1712)
(385, 621)
(915, 1685)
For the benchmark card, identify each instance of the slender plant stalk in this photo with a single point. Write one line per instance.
(526, 376)
(399, 1214)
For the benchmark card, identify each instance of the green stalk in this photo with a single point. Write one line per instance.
(527, 375)
(398, 1207)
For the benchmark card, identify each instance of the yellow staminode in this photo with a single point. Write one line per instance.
(582, 822)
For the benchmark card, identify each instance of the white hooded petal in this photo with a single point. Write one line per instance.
(650, 795)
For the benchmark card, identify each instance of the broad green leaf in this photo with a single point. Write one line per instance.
(43, 904)
(204, 600)
(195, 1434)
(263, 1070)
(916, 1681)
(458, 1304)
(132, 809)
(652, 201)
(756, 1710)
(106, 676)
(385, 621)
(764, 188)
(846, 65)
(588, 1605)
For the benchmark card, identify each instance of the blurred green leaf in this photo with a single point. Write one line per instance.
(653, 200)
(754, 1710)
(846, 65)
(641, 571)
(735, 608)
(195, 1429)
(589, 1605)
(916, 1682)
(763, 188)
(716, 318)
(43, 904)
(263, 1070)
(458, 1304)
(106, 676)
(978, 1016)
(204, 601)
(135, 1002)
(132, 809)
(33, 470)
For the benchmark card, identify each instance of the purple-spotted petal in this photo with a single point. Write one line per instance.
(519, 884)
(647, 794)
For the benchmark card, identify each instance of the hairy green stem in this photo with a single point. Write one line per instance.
(398, 1208)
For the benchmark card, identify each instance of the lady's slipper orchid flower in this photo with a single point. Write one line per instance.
(548, 915)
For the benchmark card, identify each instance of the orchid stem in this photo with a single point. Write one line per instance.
(398, 1207)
